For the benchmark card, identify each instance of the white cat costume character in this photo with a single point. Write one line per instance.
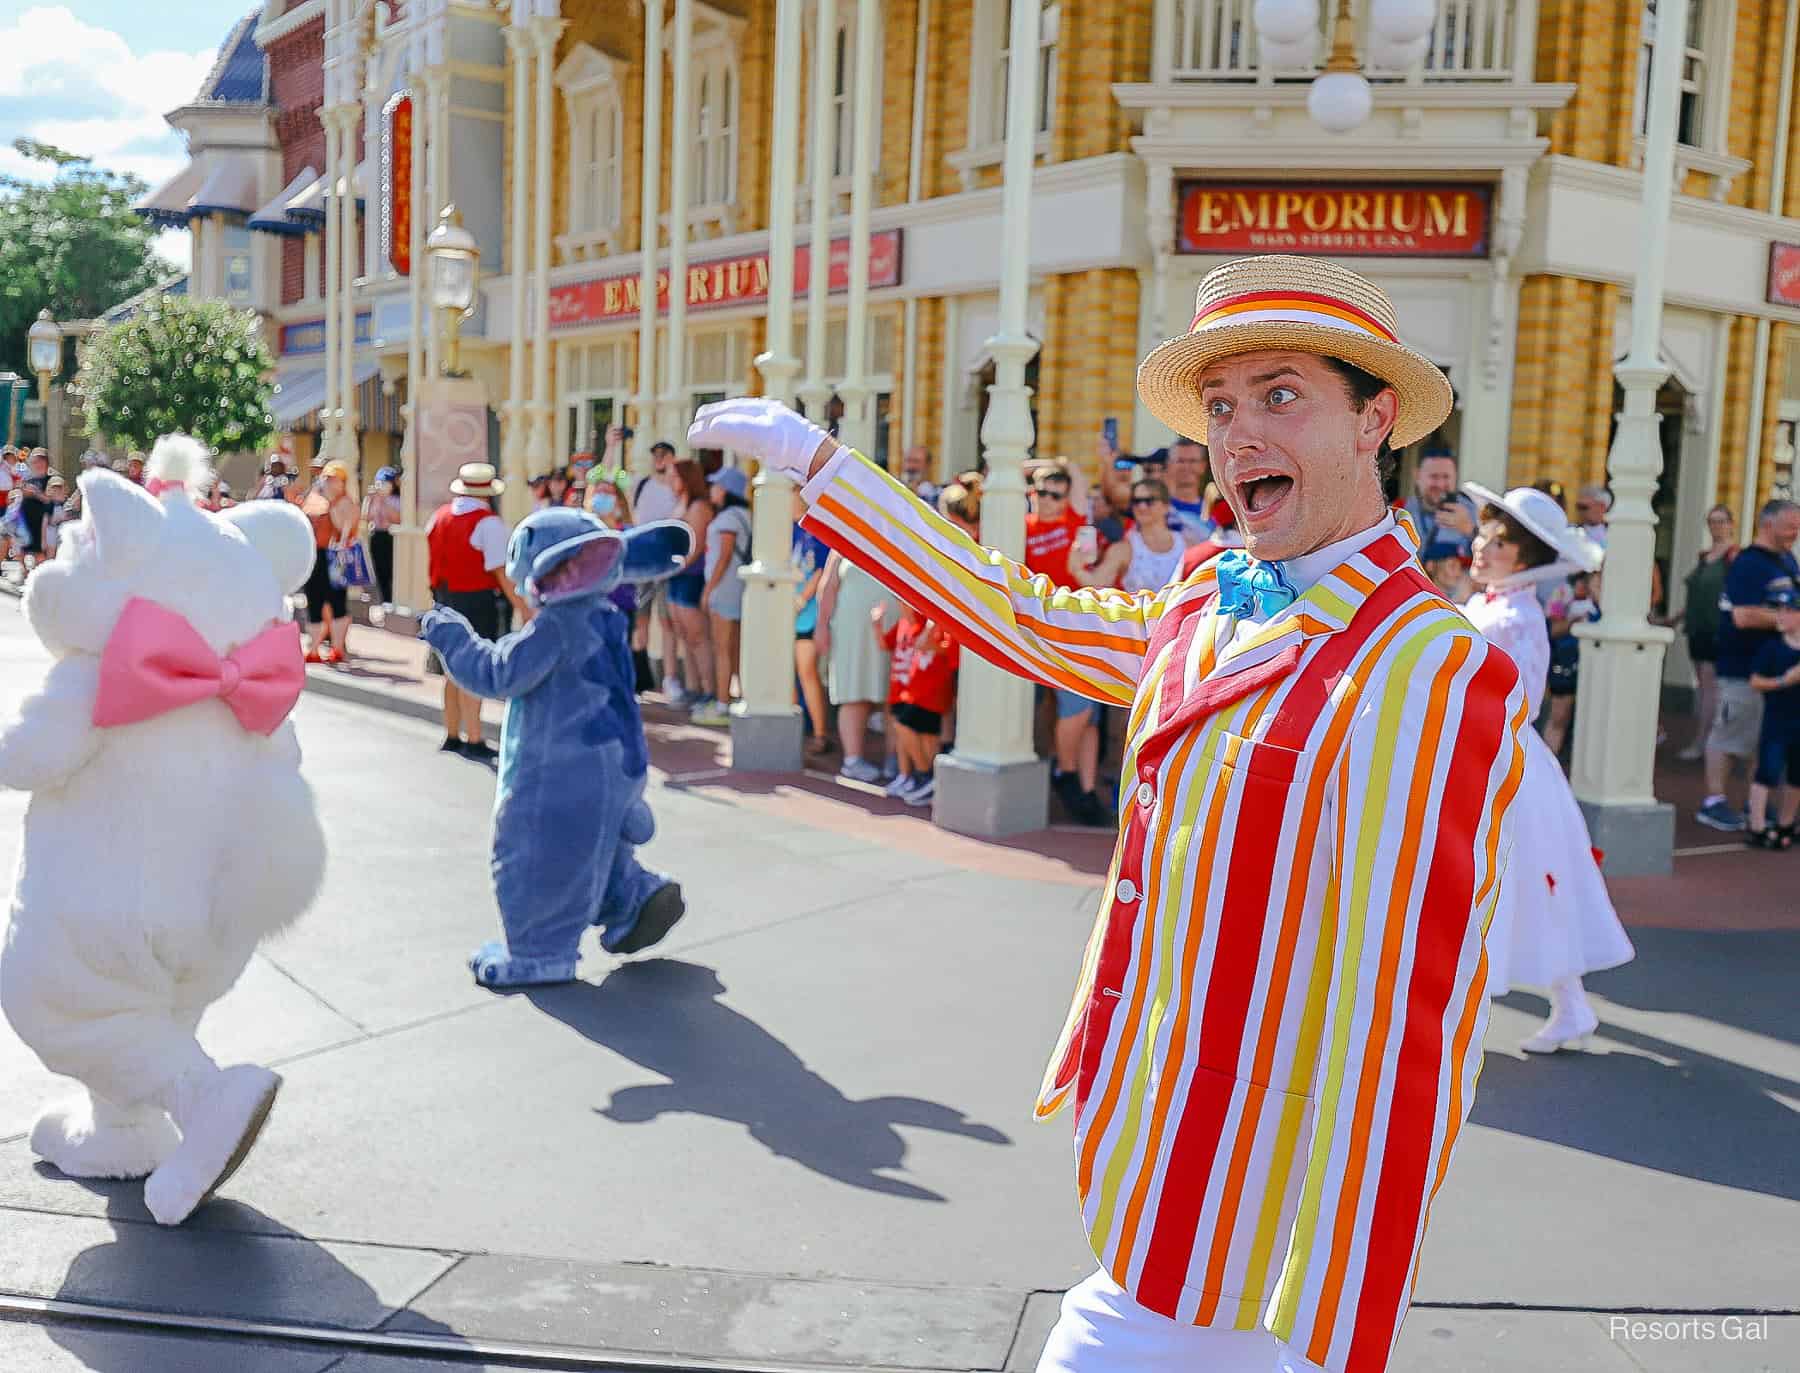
(169, 830)
(1555, 920)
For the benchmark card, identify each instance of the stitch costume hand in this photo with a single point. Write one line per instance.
(573, 743)
(784, 441)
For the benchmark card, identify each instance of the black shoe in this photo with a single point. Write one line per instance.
(451, 745)
(480, 750)
(1091, 810)
(1066, 787)
(655, 919)
(646, 679)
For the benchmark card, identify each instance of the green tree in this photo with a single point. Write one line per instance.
(180, 366)
(72, 243)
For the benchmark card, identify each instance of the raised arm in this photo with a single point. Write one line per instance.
(497, 671)
(1421, 795)
(1092, 641)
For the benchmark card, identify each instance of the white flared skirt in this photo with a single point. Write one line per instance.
(1554, 917)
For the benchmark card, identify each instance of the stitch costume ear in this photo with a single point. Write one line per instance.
(126, 521)
(656, 550)
(281, 534)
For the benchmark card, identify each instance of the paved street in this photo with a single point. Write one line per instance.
(801, 1133)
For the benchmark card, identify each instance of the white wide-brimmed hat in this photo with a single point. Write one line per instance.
(1301, 304)
(1544, 516)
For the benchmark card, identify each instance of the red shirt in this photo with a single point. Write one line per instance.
(454, 562)
(1048, 544)
(924, 665)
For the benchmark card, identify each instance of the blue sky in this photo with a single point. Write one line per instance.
(97, 77)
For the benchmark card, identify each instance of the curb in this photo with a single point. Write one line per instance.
(335, 686)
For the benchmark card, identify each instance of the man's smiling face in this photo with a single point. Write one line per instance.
(1293, 454)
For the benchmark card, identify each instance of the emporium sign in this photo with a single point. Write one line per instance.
(1784, 274)
(1353, 220)
(396, 181)
(742, 280)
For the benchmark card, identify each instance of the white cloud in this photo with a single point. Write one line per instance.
(175, 247)
(79, 86)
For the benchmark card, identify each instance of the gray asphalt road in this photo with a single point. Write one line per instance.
(802, 1131)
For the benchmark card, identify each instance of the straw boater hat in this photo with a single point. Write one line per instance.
(1543, 515)
(477, 479)
(1297, 303)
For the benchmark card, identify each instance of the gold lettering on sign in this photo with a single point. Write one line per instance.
(696, 285)
(1211, 217)
(1250, 216)
(1356, 210)
(1451, 219)
(1286, 204)
(612, 297)
(1401, 206)
(1320, 213)
(634, 298)
(759, 273)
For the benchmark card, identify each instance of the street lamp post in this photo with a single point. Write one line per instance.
(455, 259)
(44, 345)
(1340, 98)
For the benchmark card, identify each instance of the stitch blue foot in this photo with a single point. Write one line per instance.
(493, 966)
(639, 824)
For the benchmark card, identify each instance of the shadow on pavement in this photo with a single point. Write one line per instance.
(228, 1260)
(665, 1015)
(1745, 979)
(1649, 1102)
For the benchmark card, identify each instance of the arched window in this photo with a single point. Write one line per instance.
(589, 83)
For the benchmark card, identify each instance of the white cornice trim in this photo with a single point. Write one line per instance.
(1562, 170)
(1430, 95)
(272, 30)
(1332, 157)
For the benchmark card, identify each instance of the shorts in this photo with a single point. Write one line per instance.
(480, 608)
(321, 594)
(1703, 648)
(1069, 704)
(916, 718)
(1737, 719)
(1565, 665)
(684, 590)
(1778, 753)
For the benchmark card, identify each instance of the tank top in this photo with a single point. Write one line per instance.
(1149, 570)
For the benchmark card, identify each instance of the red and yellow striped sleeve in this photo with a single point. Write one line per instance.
(1089, 641)
(1420, 800)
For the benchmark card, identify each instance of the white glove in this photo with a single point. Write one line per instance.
(767, 429)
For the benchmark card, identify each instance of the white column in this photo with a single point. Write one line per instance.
(815, 394)
(994, 783)
(544, 32)
(1621, 654)
(649, 240)
(858, 426)
(766, 727)
(347, 449)
(518, 48)
(334, 233)
(674, 410)
(436, 81)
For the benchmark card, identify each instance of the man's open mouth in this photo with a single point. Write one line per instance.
(1260, 495)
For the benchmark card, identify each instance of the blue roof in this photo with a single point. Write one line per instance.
(241, 75)
(125, 309)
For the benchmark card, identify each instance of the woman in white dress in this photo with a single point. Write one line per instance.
(1555, 921)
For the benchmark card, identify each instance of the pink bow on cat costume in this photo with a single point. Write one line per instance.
(156, 662)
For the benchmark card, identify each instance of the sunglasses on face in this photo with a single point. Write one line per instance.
(1146, 500)
(1044, 493)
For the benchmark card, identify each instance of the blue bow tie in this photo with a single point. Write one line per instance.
(1260, 591)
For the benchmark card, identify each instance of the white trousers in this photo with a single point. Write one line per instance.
(1102, 1330)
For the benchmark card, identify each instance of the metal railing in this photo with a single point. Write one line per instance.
(1473, 40)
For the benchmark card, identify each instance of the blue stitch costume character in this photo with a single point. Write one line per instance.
(573, 744)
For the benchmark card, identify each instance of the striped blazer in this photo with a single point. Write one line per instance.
(1277, 1029)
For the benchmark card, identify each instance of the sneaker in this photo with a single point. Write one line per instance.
(1066, 787)
(898, 784)
(1091, 810)
(921, 791)
(451, 745)
(709, 712)
(676, 695)
(861, 770)
(479, 749)
(1719, 815)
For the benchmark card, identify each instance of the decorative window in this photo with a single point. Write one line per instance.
(840, 61)
(716, 94)
(990, 57)
(1696, 115)
(589, 81)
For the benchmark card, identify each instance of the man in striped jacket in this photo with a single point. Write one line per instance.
(1278, 1024)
